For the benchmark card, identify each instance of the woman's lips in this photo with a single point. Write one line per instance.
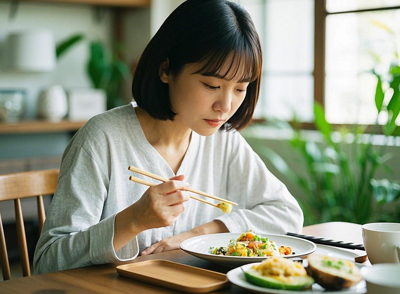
(214, 122)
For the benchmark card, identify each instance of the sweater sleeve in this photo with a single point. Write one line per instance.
(266, 205)
(74, 233)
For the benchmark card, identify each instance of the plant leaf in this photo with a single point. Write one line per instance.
(394, 103)
(394, 69)
(379, 94)
(383, 26)
(63, 46)
(97, 67)
(331, 153)
(385, 191)
(376, 57)
(321, 123)
(395, 82)
(325, 167)
(312, 151)
(394, 110)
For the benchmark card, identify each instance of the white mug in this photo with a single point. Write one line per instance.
(382, 242)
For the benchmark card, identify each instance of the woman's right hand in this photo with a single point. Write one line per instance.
(160, 205)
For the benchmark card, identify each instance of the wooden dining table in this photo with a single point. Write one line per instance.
(105, 279)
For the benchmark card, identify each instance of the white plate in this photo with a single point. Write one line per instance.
(236, 277)
(199, 246)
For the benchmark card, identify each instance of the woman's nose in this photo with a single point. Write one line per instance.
(224, 103)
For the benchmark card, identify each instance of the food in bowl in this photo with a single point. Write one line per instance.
(250, 244)
(279, 273)
(333, 273)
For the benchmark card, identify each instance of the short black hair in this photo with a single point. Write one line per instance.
(207, 31)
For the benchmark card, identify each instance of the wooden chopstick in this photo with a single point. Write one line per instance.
(151, 175)
(143, 182)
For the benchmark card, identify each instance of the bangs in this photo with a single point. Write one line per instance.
(235, 62)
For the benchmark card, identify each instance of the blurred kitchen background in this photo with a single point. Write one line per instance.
(327, 119)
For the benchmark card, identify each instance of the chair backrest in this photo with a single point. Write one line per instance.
(16, 186)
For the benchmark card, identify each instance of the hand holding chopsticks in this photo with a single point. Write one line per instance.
(224, 205)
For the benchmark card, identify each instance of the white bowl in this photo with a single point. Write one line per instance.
(382, 278)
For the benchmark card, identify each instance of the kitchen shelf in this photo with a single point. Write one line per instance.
(111, 3)
(40, 126)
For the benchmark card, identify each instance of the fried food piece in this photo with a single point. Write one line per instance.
(225, 207)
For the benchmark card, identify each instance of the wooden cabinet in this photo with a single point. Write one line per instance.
(111, 3)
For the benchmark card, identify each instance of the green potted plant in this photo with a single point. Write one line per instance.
(106, 70)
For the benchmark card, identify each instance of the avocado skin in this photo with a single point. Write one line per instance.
(337, 283)
(327, 280)
(256, 278)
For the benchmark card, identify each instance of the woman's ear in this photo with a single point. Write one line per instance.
(163, 72)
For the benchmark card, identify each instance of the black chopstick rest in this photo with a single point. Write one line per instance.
(329, 242)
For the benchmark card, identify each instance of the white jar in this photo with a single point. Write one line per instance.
(52, 103)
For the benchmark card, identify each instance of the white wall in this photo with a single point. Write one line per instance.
(160, 9)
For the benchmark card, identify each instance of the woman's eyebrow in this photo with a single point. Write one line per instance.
(218, 76)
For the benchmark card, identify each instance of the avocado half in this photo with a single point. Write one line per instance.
(327, 273)
(295, 283)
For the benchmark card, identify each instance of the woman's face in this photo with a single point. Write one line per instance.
(204, 103)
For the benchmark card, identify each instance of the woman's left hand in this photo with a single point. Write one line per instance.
(174, 242)
(167, 244)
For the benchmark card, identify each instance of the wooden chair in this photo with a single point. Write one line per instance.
(16, 186)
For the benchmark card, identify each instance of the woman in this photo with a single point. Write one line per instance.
(196, 84)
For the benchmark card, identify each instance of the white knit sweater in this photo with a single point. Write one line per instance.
(93, 186)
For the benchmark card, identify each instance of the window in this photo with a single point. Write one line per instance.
(360, 36)
(286, 31)
(324, 50)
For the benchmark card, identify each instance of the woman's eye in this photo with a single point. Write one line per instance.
(211, 87)
(241, 90)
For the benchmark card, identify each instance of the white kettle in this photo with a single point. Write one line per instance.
(52, 103)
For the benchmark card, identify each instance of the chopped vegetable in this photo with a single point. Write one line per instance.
(251, 244)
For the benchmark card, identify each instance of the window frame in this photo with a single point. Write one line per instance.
(319, 71)
(320, 16)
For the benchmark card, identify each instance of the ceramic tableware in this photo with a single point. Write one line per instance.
(382, 278)
(382, 242)
(200, 247)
